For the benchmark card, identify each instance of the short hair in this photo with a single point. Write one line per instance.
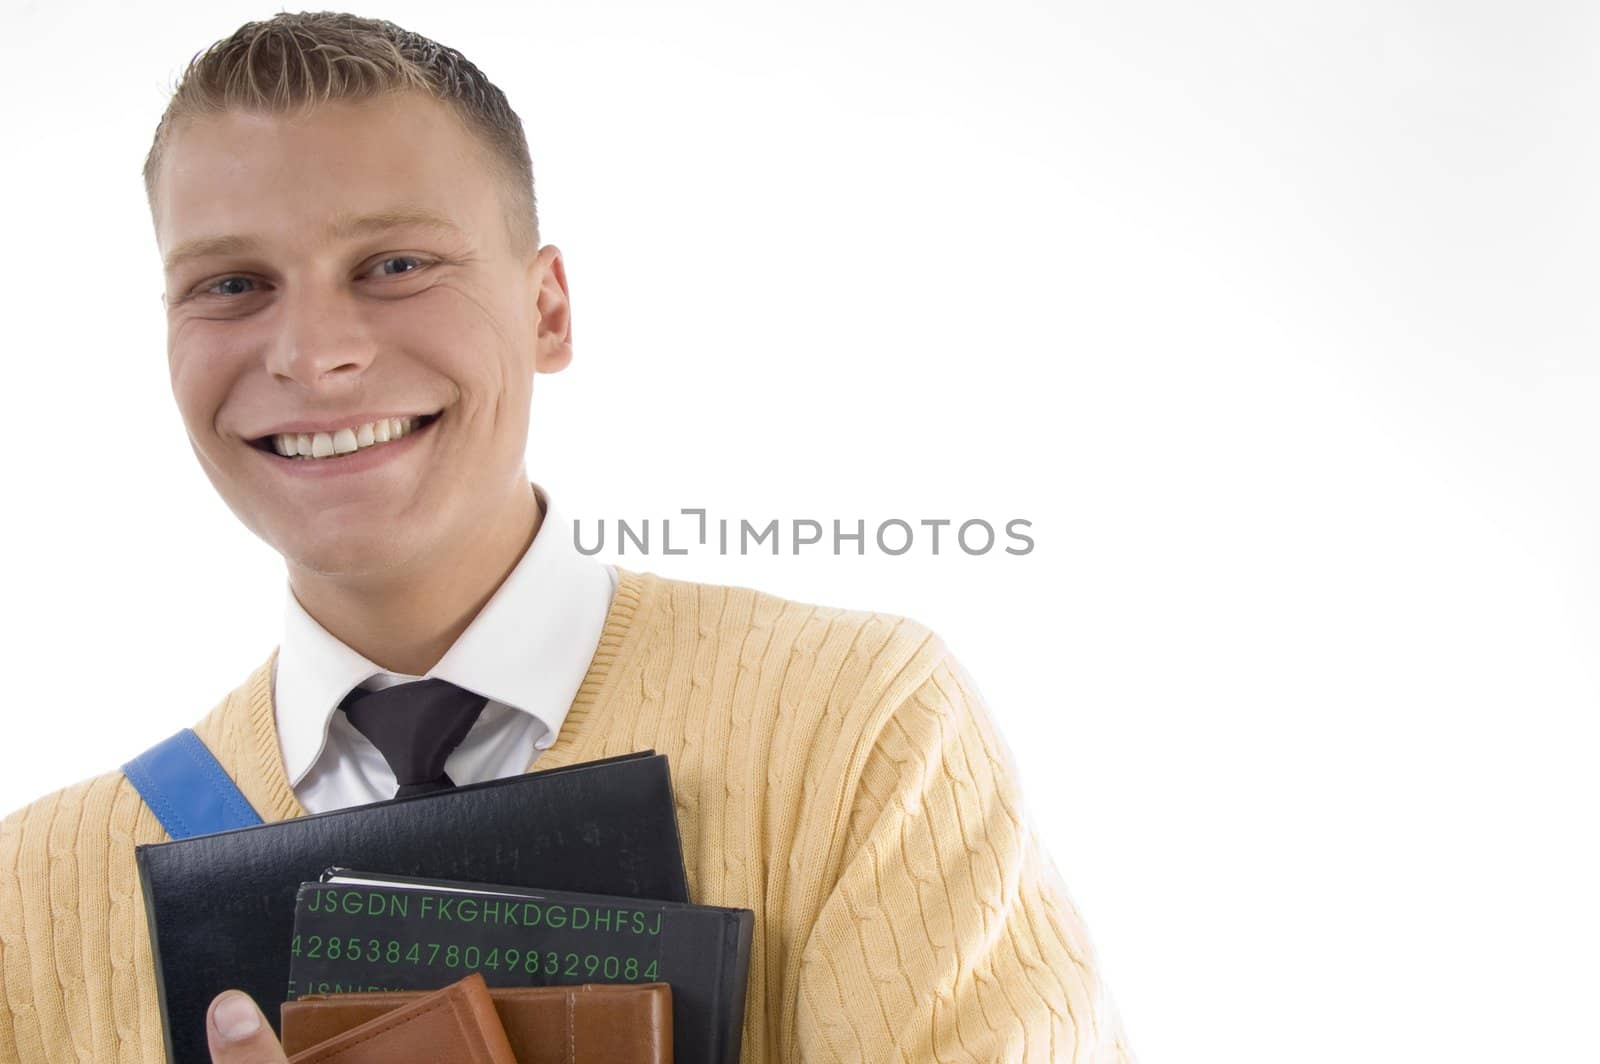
(293, 62)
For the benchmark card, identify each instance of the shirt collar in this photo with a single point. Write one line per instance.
(529, 647)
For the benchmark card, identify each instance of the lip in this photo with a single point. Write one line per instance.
(355, 462)
(350, 421)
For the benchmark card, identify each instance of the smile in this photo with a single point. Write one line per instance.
(320, 446)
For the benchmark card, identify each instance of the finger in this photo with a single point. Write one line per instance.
(239, 1034)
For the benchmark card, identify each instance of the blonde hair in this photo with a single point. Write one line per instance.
(293, 62)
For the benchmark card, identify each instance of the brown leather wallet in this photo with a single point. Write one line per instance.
(597, 1023)
(455, 1025)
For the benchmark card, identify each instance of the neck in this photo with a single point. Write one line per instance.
(405, 623)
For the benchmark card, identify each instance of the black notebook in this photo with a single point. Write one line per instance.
(363, 931)
(221, 906)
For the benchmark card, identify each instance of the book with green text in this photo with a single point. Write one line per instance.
(364, 931)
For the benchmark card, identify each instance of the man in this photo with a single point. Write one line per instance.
(358, 304)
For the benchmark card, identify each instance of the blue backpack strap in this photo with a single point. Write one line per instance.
(188, 790)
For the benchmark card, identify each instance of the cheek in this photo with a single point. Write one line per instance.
(203, 365)
(460, 335)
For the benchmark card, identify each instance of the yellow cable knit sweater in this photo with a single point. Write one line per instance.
(835, 771)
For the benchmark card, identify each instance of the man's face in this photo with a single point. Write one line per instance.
(367, 273)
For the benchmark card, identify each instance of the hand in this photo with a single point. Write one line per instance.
(239, 1034)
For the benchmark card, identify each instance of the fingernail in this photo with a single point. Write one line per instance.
(236, 1018)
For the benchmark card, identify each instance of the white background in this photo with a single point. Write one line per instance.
(1275, 319)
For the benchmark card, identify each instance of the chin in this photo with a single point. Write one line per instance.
(346, 552)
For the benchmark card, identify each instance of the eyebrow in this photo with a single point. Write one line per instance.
(343, 227)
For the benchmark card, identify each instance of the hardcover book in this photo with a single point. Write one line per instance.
(365, 932)
(221, 906)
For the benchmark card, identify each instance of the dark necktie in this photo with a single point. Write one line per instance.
(415, 726)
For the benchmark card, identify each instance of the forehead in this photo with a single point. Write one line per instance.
(296, 177)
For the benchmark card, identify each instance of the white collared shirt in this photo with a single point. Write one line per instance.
(527, 651)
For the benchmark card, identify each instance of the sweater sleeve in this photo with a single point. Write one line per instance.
(948, 935)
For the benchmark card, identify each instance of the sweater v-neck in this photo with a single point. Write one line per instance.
(265, 782)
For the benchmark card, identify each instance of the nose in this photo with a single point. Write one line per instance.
(324, 339)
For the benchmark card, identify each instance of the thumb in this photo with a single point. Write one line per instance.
(239, 1034)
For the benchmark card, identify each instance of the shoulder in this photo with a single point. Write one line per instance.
(806, 690)
(53, 823)
(73, 945)
(95, 812)
(860, 654)
(106, 810)
(44, 844)
(74, 842)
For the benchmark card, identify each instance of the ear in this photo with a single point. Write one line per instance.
(554, 339)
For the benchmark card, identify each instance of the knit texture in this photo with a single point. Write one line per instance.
(834, 770)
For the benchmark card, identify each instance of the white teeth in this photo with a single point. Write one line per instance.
(345, 440)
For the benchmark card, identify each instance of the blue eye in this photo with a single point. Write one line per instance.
(238, 285)
(228, 280)
(416, 264)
